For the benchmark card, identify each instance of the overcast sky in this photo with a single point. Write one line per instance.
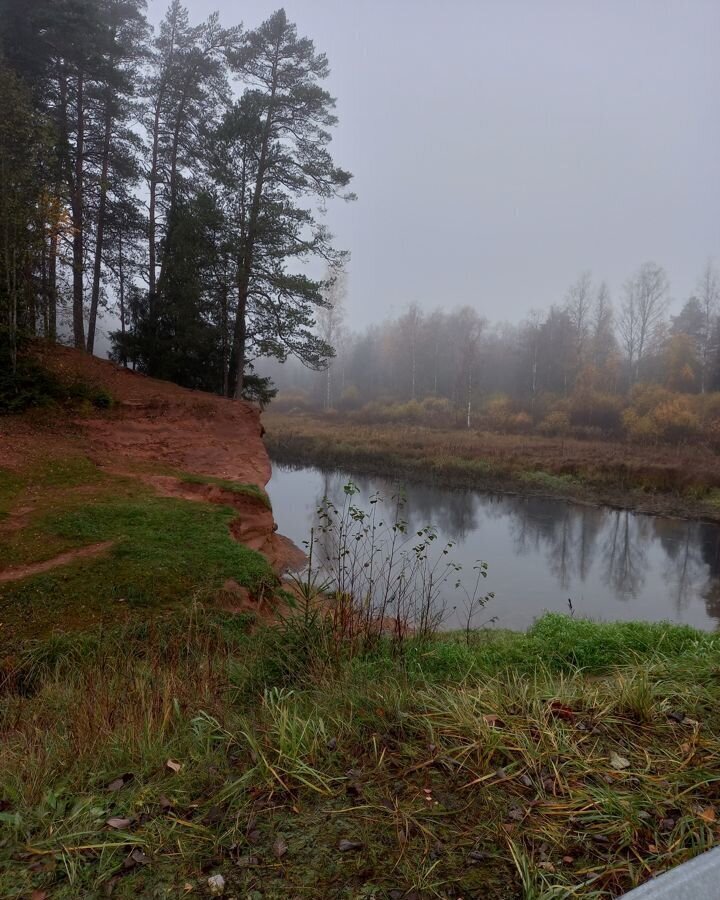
(500, 147)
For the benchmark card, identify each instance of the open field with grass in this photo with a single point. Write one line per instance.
(682, 480)
(574, 761)
(153, 551)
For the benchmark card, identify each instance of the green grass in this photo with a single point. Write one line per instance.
(235, 487)
(480, 769)
(165, 550)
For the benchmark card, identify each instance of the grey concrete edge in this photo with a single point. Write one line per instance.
(697, 879)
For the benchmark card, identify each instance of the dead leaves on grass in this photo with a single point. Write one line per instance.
(619, 762)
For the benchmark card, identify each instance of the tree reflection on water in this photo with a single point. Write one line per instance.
(613, 563)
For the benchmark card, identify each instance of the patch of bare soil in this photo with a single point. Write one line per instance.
(18, 572)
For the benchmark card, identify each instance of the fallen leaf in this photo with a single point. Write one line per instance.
(547, 866)
(493, 721)
(44, 864)
(561, 711)
(568, 859)
(619, 762)
(173, 766)
(39, 895)
(346, 846)
(188, 888)
(136, 858)
(708, 814)
(214, 815)
(216, 885)
(652, 848)
(120, 781)
(280, 847)
(118, 822)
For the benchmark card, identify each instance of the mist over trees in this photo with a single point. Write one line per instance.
(171, 177)
(587, 365)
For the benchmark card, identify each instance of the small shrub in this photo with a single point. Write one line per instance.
(555, 424)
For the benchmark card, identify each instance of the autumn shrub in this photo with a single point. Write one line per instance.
(555, 424)
(673, 420)
(438, 411)
(519, 423)
(639, 428)
(501, 413)
(596, 410)
(645, 398)
(676, 421)
(432, 411)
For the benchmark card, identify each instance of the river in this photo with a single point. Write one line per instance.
(611, 564)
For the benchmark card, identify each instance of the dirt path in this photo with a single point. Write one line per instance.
(18, 572)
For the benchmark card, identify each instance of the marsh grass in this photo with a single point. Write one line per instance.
(661, 478)
(460, 769)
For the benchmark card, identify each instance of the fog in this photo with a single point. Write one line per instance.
(500, 148)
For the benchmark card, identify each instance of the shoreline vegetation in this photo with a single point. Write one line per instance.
(158, 739)
(657, 480)
(576, 759)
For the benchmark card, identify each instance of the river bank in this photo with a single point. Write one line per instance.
(668, 481)
(145, 759)
(116, 513)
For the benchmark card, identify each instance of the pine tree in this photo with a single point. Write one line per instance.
(273, 153)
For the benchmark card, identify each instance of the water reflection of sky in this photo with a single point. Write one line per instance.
(611, 563)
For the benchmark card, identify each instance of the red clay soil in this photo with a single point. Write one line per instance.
(166, 425)
(159, 421)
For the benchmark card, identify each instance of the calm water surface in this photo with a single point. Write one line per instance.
(613, 564)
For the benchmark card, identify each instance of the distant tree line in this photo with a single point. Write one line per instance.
(562, 368)
(170, 175)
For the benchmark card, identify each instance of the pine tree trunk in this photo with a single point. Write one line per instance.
(78, 223)
(97, 269)
(52, 285)
(246, 259)
(239, 342)
(224, 339)
(121, 286)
